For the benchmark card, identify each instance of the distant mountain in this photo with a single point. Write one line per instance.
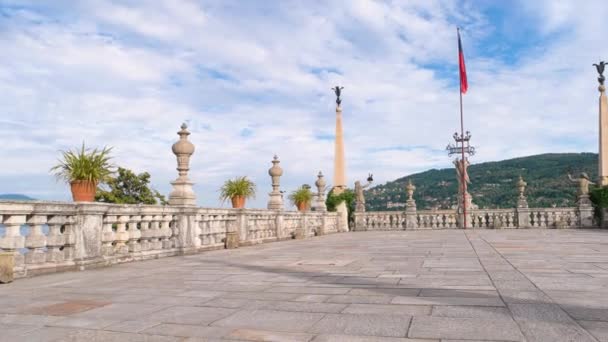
(16, 197)
(492, 183)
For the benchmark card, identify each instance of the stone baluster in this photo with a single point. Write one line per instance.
(147, 235)
(69, 247)
(35, 241)
(156, 233)
(134, 234)
(166, 231)
(13, 241)
(122, 235)
(55, 239)
(107, 235)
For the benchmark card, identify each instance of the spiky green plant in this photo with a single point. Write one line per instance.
(84, 165)
(301, 195)
(240, 186)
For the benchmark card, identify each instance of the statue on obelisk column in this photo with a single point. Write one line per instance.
(339, 164)
(182, 193)
(603, 141)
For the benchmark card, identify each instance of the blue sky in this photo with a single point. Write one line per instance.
(253, 78)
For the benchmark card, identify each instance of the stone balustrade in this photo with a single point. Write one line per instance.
(54, 236)
(576, 217)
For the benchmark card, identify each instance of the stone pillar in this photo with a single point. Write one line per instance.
(7, 265)
(319, 201)
(342, 217)
(278, 223)
(603, 141)
(301, 231)
(410, 207)
(585, 211)
(188, 239)
(276, 197)
(182, 193)
(88, 230)
(339, 163)
(13, 241)
(236, 230)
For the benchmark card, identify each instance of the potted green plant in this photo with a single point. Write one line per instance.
(301, 197)
(237, 190)
(84, 169)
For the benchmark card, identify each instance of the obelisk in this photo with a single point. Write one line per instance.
(603, 149)
(339, 164)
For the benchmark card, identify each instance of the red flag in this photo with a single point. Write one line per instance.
(463, 70)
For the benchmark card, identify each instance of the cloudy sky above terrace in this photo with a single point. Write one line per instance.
(253, 78)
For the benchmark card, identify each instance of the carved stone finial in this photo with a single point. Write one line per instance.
(410, 188)
(275, 173)
(319, 202)
(182, 193)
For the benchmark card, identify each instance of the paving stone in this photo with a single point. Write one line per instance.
(598, 329)
(448, 301)
(131, 326)
(490, 312)
(352, 338)
(27, 319)
(458, 293)
(547, 322)
(464, 328)
(364, 324)
(185, 330)
(524, 297)
(271, 320)
(348, 299)
(119, 311)
(187, 315)
(270, 336)
(296, 306)
(79, 322)
(409, 310)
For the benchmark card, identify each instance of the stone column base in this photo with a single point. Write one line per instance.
(232, 240)
(7, 264)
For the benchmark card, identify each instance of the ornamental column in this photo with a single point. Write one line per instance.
(603, 141)
(182, 193)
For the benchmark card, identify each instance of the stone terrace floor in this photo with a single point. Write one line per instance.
(505, 285)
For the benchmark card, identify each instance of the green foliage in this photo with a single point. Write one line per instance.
(84, 165)
(240, 186)
(599, 198)
(493, 184)
(129, 188)
(347, 195)
(301, 195)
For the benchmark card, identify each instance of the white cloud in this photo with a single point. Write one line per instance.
(128, 75)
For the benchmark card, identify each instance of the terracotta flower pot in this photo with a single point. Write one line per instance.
(238, 202)
(302, 206)
(83, 191)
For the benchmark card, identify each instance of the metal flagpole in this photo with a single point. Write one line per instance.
(464, 169)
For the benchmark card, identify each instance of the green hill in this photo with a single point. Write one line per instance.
(493, 183)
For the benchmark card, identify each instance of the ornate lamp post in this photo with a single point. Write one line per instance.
(463, 148)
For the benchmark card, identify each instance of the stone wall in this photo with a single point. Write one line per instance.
(55, 236)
